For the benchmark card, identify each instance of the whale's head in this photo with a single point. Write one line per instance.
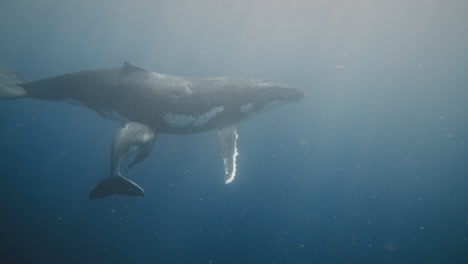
(270, 92)
(263, 96)
(196, 104)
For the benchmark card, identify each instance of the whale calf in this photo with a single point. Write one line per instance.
(160, 103)
(133, 141)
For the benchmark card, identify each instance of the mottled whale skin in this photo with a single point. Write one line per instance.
(162, 103)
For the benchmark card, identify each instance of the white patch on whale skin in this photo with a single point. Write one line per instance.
(159, 75)
(177, 120)
(147, 137)
(187, 89)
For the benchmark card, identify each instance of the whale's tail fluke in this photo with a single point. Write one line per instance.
(116, 185)
(8, 83)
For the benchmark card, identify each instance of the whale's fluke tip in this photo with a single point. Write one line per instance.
(116, 185)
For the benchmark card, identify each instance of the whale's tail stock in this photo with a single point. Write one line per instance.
(8, 83)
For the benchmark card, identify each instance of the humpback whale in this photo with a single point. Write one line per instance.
(149, 103)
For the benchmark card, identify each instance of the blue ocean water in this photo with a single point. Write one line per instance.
(371, 167)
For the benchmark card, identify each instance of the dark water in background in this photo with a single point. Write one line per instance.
(371, 168)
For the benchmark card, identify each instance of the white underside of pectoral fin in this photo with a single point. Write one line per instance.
(227, 137)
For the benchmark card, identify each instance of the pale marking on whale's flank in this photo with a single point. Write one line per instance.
(178, 120)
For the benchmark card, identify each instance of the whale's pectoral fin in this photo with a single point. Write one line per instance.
(227, 137)
(116, 185)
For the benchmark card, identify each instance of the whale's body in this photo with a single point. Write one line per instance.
(166, 103)
(163, 103)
